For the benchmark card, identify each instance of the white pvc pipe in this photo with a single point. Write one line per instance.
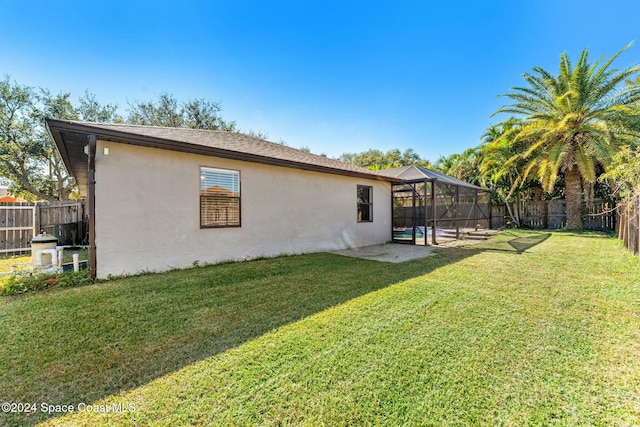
(76, 262)
(60, 250)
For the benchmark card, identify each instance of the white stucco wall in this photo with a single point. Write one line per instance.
(148, 211)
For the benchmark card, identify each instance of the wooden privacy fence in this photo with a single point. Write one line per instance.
(598, 214)
(17, 226)
(20, 222)
(498, 217)
(547, 214)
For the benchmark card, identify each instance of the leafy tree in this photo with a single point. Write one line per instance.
(573, 122)
(24, 147)
(93, 111)
(378, 160)
(624, 171)
(499, 169)
(29, 162)
(464, 166)
(261, 135)
(61, 184)
(168, 111)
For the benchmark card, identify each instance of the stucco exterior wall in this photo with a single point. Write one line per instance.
(148, 211)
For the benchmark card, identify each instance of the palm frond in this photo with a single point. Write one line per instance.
(565, 67)
(565, 100)
(605, 67)
(585, 164)
(578, 117)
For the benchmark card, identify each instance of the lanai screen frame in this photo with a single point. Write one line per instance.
(428, 212)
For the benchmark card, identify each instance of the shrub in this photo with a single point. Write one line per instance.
(32, 283)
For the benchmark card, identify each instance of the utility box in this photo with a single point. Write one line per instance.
(41, 242)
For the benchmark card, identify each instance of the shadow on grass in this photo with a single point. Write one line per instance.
(85, 344)
(522, 244)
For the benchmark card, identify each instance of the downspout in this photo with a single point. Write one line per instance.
(92, 205)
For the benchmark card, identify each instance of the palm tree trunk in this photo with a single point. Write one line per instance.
(573, 196)
(510, 212)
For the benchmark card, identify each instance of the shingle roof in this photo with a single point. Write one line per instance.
(71, 137)
(416, 173)
(229, 141)
(234, 141)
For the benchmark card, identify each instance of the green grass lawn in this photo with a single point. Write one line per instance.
(530, 328)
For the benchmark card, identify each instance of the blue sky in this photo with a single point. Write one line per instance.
(335, 76)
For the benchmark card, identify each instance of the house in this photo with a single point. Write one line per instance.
(5, 197)
(238, 197)
(234, 197)
(8, 199)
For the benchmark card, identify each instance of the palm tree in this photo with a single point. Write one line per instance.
(499, 169)
(573, 122)
(463, 166)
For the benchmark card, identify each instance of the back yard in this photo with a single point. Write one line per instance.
(528, 328)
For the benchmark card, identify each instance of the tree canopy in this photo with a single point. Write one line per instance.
(573, 122)
(30, 164)
(378, 160)
(168, 111)
(28, 160)
(566, 134)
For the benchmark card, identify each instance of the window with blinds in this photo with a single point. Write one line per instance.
(219, 198)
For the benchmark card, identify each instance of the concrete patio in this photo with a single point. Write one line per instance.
(398, 252)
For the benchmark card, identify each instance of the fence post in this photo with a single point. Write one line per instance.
(490, 211)
(632, 226)
(637, 201)
(36, 219)
(628, 225)
(545, 218)
(632, 221)
(34, 222)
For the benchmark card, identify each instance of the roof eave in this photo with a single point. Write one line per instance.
(62, 149)
(75, 172)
